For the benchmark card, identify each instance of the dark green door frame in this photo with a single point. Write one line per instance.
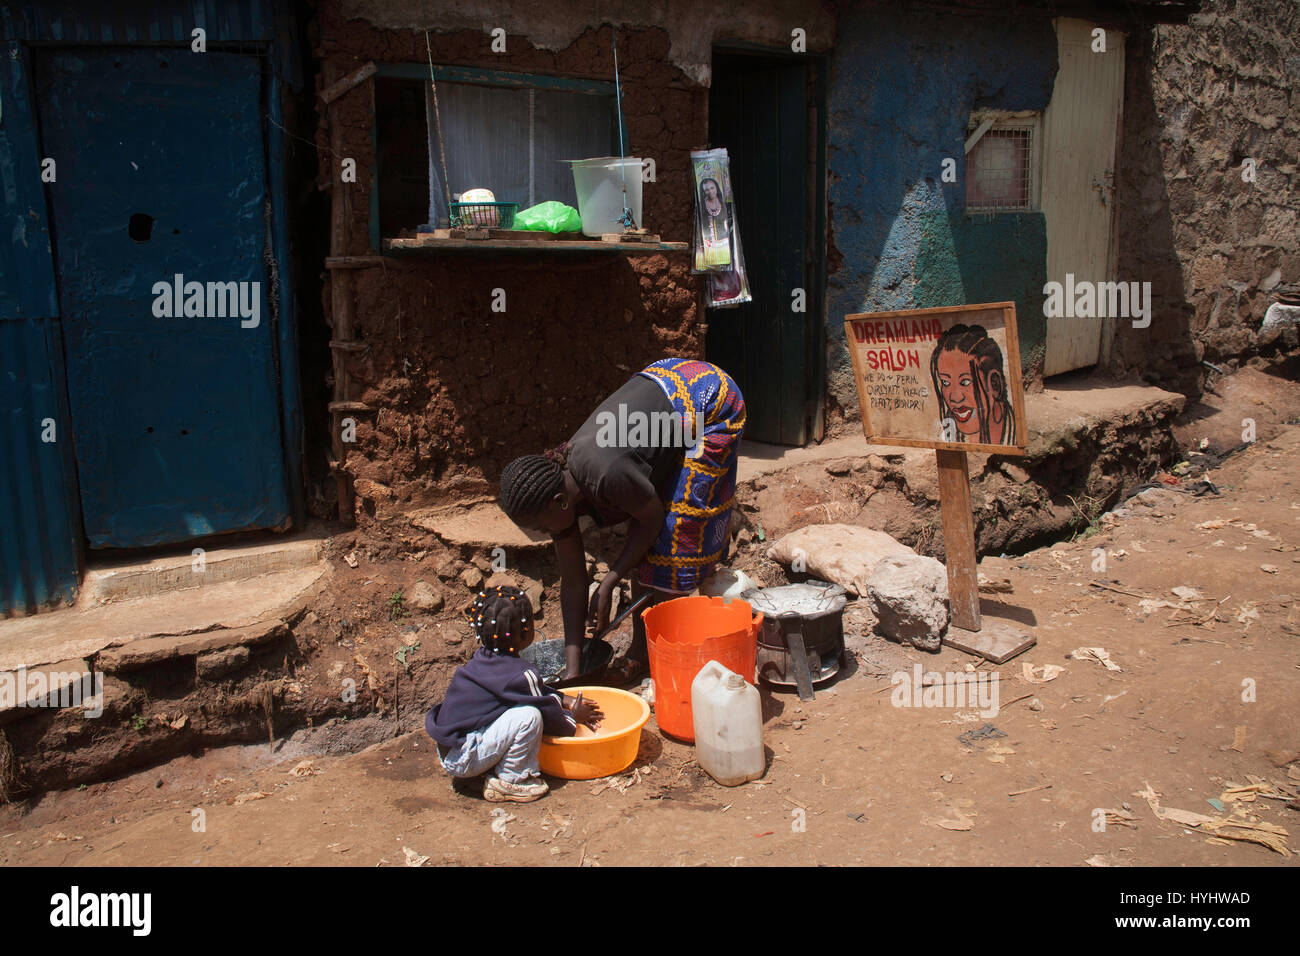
(771, 104)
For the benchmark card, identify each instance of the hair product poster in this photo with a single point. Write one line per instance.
(717, 237)
(940, 378)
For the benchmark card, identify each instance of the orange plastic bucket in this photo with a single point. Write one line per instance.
(682, 636)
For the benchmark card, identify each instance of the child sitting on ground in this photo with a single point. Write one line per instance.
(497, 706)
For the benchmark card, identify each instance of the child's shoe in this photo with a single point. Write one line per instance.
(497, 790)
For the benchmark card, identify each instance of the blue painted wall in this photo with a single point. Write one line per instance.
(903, 86)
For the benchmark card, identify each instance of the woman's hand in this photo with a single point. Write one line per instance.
(601, 602)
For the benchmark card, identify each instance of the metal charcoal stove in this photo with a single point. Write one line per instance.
(801, 642)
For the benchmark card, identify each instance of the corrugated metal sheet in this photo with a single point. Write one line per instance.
(136, 21)
(40, 530)
(39, 519)
(26, 265)
(1079, 129)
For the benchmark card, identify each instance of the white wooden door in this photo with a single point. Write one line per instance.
(1080, 127)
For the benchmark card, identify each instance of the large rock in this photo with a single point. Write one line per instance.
(908, 595)
(843, 553)
(424, 596)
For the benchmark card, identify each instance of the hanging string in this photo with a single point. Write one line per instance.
(532, 147)
(437, 119)
(626, 219)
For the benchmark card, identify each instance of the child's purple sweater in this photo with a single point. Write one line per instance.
(484, 688)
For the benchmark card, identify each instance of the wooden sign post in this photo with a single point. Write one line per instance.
(948, 379)
(958, 539)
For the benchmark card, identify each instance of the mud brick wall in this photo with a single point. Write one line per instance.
(460, 389)
(1201, 98)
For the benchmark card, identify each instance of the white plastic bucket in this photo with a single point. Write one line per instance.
(726, 583)
(599, 183)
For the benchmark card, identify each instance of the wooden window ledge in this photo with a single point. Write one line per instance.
(518, 240)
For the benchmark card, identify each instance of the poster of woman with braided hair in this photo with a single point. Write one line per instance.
(940, 378)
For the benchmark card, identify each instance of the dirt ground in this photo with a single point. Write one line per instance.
(851, 779)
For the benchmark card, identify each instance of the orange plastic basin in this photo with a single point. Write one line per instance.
(612, 749)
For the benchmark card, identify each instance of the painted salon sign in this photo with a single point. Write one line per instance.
(940, 378)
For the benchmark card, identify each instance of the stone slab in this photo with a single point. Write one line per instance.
(996, 641)
(155, 650)
(177, 570)
(479, 524)
(20, 694)
(81, 632)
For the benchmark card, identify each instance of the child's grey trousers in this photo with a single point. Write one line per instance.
(508, 747)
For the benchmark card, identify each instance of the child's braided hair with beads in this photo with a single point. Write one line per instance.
(501, 617)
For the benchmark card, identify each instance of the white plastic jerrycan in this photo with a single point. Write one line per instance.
(728, 725)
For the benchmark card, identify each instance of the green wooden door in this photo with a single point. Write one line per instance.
(758, 111)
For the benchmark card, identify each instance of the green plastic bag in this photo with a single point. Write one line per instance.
(549, 217)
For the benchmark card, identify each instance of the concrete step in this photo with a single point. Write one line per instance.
(1088, 438)
(1057, 415)
(84, 631)
(183, 569)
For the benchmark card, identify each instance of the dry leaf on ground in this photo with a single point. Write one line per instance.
(413, 858)
(1229, 828)
(1120, 818)
(1040, 674)
(1214, 524)
(1098, 654)
(1258, 787)
(955, 820)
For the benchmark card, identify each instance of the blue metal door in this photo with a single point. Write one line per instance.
(160, 231)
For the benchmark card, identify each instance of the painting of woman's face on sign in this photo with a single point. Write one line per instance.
(970, 379)
(946, 377)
